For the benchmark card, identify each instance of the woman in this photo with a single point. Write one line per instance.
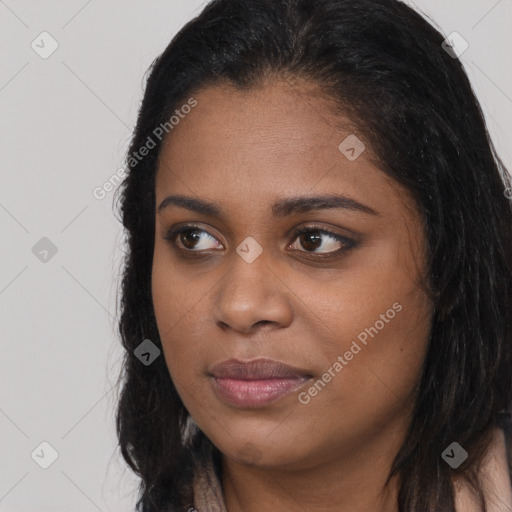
(319, 244)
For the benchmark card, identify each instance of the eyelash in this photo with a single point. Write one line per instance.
(348, 244)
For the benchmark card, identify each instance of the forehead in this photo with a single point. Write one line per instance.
(258, 145)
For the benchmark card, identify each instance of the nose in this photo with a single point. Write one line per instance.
(252, 296)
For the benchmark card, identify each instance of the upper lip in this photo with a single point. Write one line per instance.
(256, 369)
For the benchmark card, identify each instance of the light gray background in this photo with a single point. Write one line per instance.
(65, 123)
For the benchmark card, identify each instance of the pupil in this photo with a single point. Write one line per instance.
(192, 235)
(305, 242)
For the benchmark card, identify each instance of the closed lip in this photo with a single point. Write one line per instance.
(258, 369)
(257, 383)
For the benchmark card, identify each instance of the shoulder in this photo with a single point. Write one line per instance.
(495, 474)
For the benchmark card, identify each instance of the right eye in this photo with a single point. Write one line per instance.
(191, 238)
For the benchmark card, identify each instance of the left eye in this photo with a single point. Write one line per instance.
(314, 239)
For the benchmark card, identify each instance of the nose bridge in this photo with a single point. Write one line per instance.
(250, 292)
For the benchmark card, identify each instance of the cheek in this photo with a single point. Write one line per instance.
(377, 319)
(176, 295)
(176, 307)
(374, 383)
(377, 356)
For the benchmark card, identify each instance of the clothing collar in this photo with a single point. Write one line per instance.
(207, 489)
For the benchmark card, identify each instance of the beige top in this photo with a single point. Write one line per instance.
(208, 491)
(495, 472)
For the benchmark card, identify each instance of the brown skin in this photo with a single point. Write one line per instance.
(244, 151)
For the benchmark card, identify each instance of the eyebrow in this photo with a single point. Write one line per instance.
(282, 208)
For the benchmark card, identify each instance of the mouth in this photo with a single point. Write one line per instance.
(256, 383)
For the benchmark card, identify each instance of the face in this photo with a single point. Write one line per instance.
(329, 290)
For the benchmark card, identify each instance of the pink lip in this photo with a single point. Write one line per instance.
(255, 383)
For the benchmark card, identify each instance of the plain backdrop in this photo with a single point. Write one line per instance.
(65, 122)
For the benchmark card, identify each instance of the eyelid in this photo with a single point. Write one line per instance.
(320, 229)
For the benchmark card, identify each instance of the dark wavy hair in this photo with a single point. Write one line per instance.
(385, 67)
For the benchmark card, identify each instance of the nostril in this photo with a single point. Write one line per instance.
(263, 322)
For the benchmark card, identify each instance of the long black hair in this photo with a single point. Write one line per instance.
(412, 103)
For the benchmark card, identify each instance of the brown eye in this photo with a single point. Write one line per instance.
(312, 240)
(192, 239)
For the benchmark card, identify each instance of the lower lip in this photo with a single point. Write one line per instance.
(256, 393)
